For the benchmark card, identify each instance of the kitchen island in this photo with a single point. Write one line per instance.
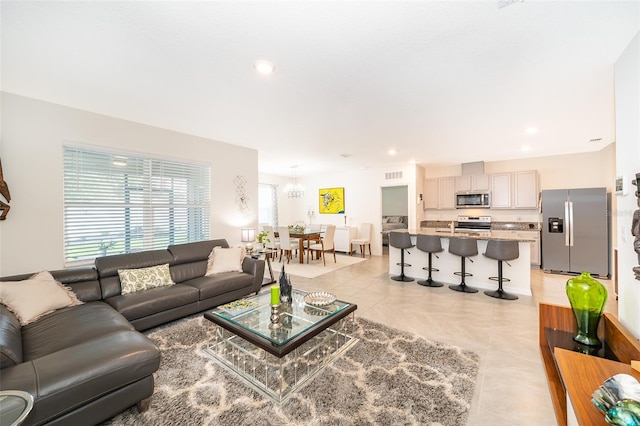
(482, 267)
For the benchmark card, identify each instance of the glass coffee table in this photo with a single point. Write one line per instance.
(278, 361)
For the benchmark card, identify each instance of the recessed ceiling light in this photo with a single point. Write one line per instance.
(392, 152)
(264, 67)
(531, 130)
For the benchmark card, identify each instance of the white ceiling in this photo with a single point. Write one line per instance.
(440, 81)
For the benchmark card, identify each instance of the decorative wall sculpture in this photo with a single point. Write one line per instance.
(4, 191)
(241, 195)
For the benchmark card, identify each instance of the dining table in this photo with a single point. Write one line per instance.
(302, 236)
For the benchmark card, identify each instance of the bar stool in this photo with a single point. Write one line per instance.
(430, 244)
(402, 241)
(501, 250)
(463, 247)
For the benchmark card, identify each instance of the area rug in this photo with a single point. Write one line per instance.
(389, 377)
(315, 268)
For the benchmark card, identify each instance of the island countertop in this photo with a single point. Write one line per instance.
(519, 236)
(482, 267)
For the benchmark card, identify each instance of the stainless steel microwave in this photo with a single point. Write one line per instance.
(473, 200)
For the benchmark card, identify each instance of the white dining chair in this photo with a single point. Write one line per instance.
(326, 244)
(287, 244)
(272, 242)
(363, 239)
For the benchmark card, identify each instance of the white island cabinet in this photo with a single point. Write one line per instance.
(482, 267)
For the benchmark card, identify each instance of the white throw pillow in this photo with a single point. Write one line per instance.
(36, 297)
(225, 260)
(132, 280)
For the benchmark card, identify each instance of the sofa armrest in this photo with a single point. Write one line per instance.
(255, 267)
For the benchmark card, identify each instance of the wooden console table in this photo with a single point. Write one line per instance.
(576, 375)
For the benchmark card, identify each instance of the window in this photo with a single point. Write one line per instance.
(121, 203)
(267, 204)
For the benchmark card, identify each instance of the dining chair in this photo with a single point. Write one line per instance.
(363, 239)
(312, 240)
(287, 244)
(326, 244)
(272, 242)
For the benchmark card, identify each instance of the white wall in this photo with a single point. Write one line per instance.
(363, 198)
(31, 152)
(627, 92)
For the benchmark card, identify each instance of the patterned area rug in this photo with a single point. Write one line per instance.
(388, 377)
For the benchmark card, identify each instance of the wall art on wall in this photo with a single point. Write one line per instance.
(331, 201)
(241, 195)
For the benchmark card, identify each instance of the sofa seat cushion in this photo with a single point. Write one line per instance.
(70, 378)
(67, 327)
(215, 285)
(148, 302)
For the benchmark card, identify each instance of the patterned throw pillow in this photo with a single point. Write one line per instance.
(36, 297)
(132, 280)
(225, 260)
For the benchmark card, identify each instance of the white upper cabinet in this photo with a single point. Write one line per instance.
(447, 187)
(431, 194)
(525, 189)
(517, 190)
(501, 191)
(472, 183)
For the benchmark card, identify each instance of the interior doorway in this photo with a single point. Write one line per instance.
(395, 211)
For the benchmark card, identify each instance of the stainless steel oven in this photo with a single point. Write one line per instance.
(473, 200)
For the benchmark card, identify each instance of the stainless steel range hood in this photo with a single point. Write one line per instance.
(475, 168)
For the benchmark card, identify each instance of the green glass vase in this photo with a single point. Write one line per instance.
(587, 297)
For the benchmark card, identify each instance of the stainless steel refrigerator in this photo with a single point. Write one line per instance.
(575, 231)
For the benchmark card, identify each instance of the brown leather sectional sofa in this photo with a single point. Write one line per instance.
(84, 364)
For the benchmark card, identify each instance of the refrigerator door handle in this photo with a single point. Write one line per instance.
(571, 223)
(567, 223)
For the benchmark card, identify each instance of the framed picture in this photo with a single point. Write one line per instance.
(620, 186)
(331, 201)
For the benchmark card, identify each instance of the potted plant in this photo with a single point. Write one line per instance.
(263, 237)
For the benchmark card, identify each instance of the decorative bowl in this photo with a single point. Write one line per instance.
(319, 298)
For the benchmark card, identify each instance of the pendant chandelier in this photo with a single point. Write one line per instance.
(293, 189)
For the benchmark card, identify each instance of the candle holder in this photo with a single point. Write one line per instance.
(275, 317)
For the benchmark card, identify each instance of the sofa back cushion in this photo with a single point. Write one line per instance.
(83, 281)
(190, 259)
(108, 267)
(10, 339)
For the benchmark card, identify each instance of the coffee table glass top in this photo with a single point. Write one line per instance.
(253, 314)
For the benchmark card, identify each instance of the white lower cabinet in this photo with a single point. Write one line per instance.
(343, 237)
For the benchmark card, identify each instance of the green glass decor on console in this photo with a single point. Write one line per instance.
(587, 297)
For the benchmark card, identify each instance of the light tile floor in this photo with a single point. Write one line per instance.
(511, 387)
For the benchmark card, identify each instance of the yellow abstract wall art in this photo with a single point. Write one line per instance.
(331, 201)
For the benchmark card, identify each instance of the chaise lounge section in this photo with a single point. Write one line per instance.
(86, 363)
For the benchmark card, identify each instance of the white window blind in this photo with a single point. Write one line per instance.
(119, 203)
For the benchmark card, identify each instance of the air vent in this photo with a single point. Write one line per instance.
(594, 140)
(393, 175)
